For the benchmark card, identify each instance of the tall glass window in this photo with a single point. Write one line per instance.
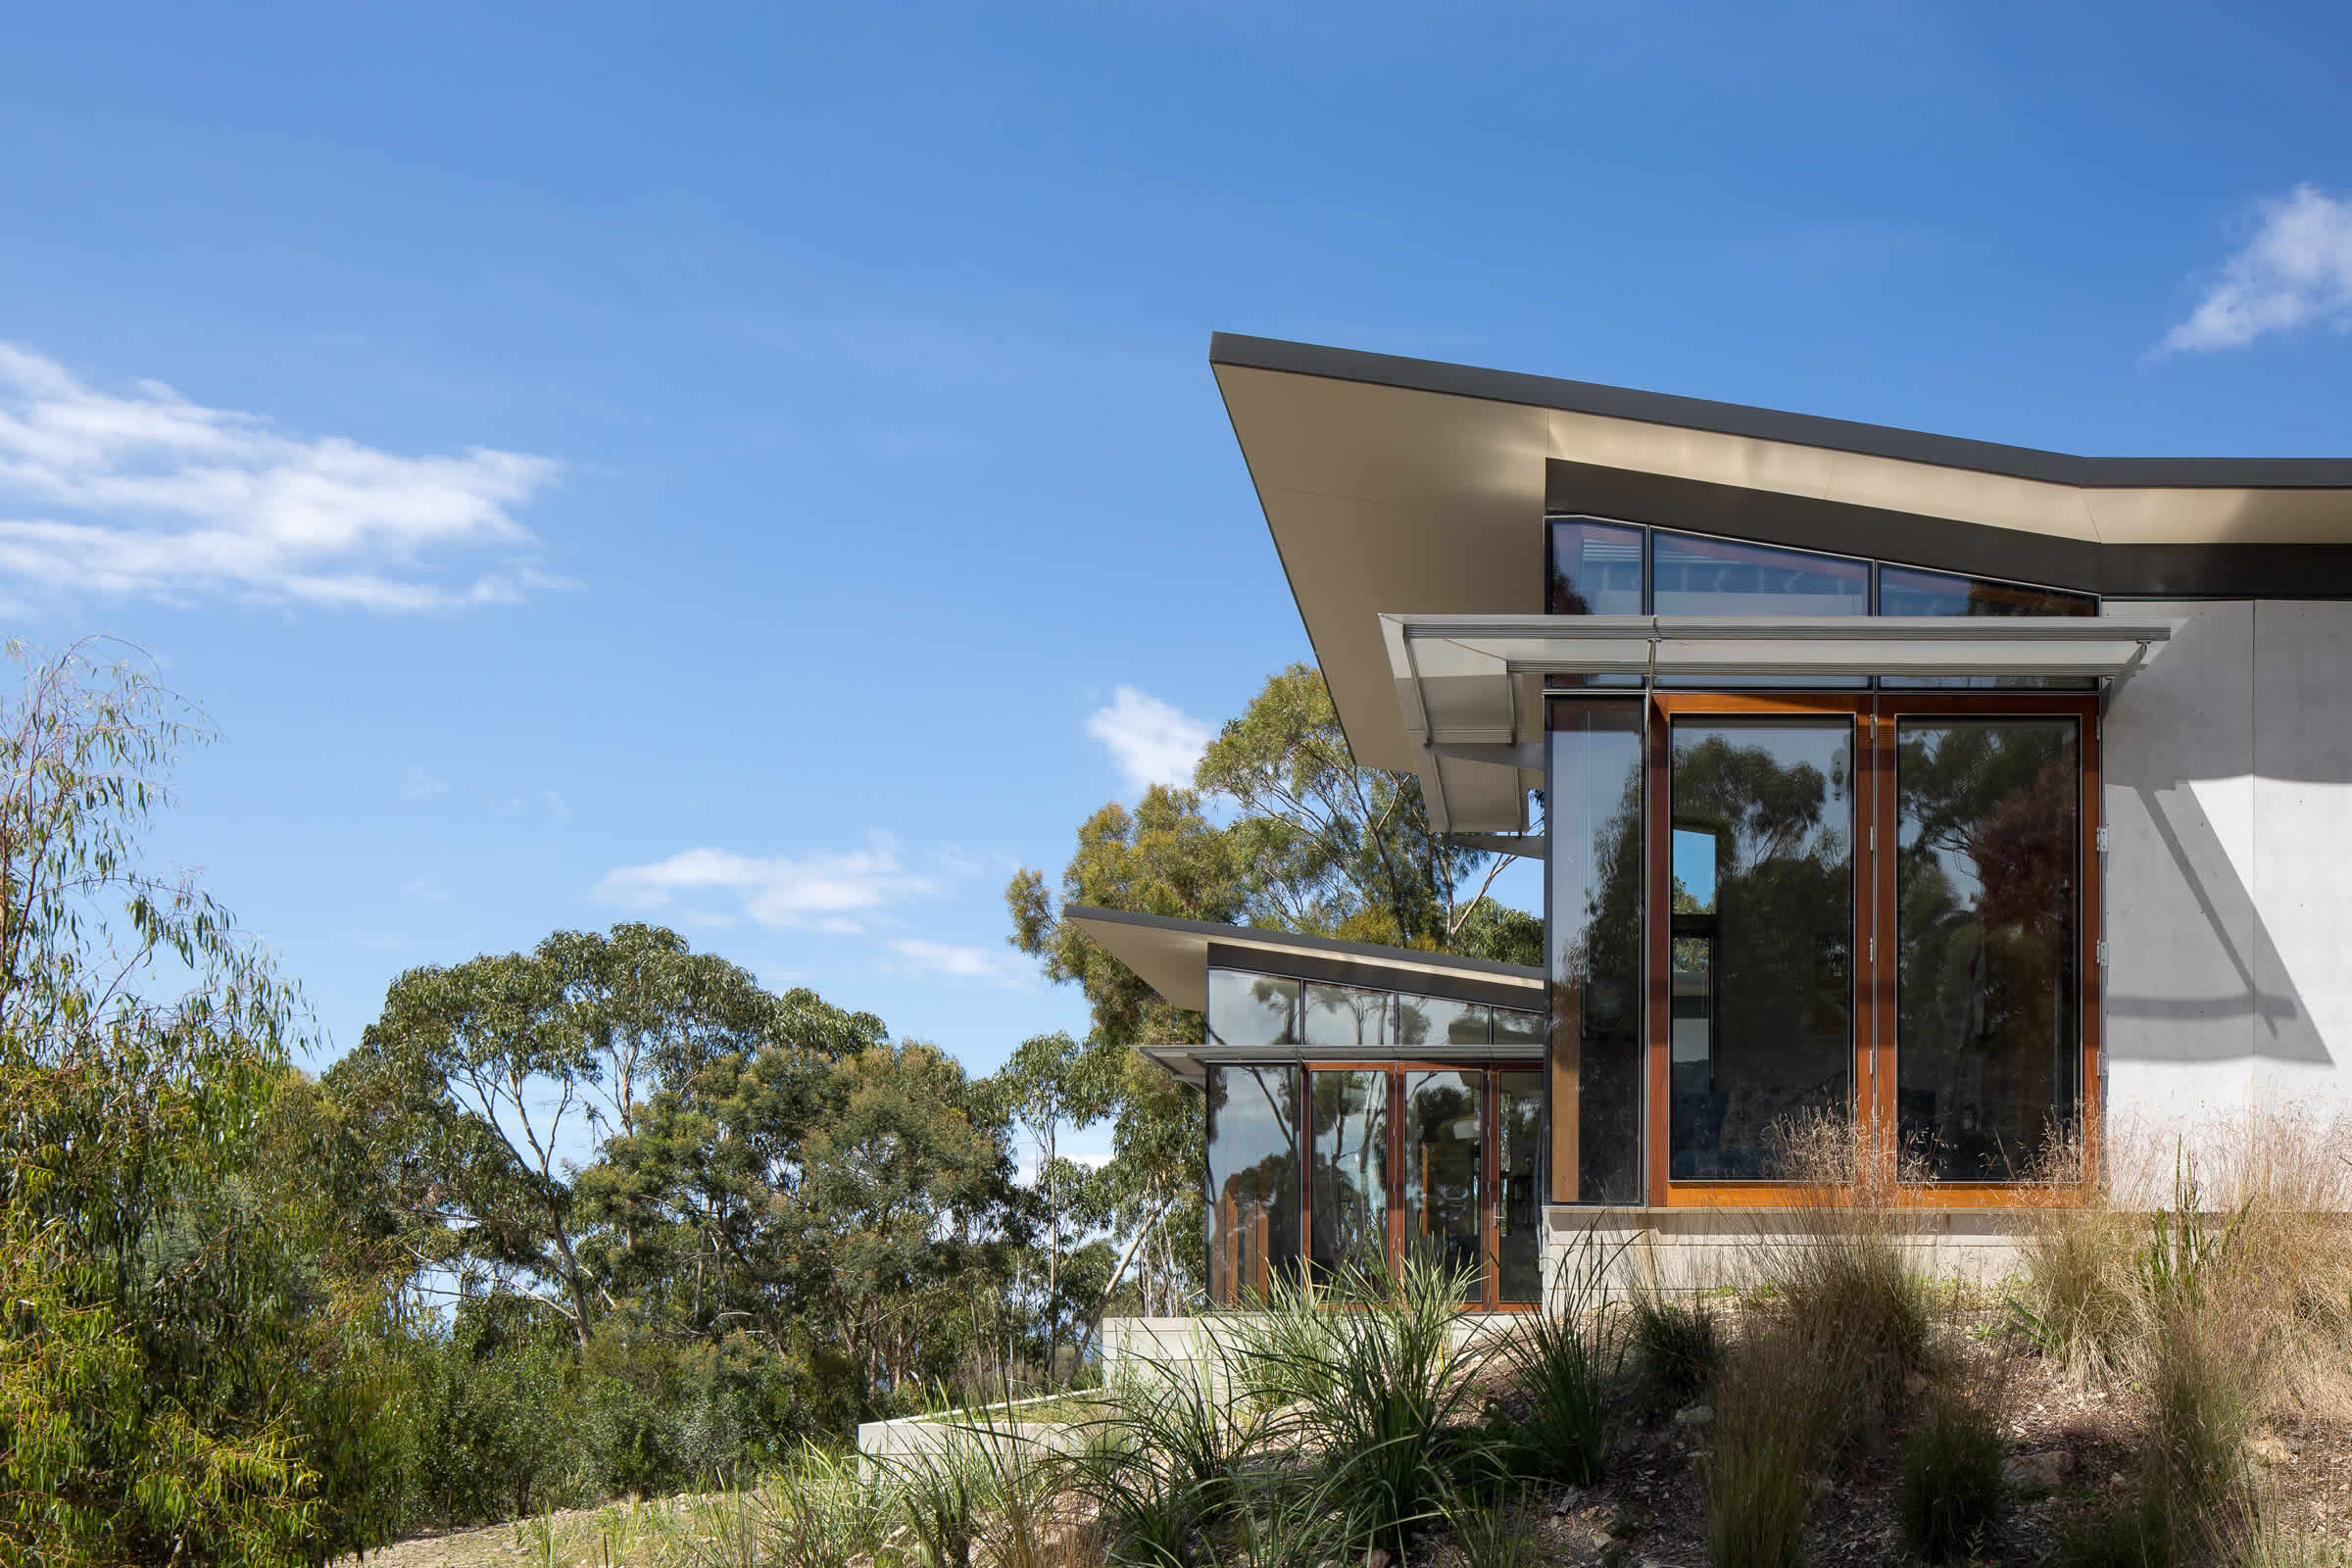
(1987, 1045)
(1441, 1021)
(1763, 936)
(1594, 824)
(1253, 1180)
(1349, 1224)
(1908, 591)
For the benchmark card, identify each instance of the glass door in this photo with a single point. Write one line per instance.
(1518, 1210)
(1429, 1160)
(1445, 1160)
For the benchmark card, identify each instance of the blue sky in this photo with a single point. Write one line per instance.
(759, 469)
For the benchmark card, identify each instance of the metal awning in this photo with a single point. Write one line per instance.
(1470, 687)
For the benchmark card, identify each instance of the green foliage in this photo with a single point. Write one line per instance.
(1677, 1346)
(181, 1379)
(1375, 1381)
(1951, 1492)
(1566, 1366)
(1757, 1476)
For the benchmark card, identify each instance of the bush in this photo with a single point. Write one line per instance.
(1676, 1346)
(1376, 1380)
(1951, 1493)
(1567, 1367)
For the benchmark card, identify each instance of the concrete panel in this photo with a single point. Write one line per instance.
(2182, 990)
(2302, 877)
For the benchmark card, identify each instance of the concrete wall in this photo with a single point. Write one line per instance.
(1721, 1248)
(2229, 874)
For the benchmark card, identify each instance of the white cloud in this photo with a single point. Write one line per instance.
(1152, 742)
(959, 962)
(417, 784)
(2295, 271)
(822, 890)
(146, 495)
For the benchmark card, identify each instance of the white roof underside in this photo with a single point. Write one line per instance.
(1470, 687)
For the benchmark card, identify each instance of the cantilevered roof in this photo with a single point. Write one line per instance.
(1409, 487)
(1172, 956)
(1469, 686)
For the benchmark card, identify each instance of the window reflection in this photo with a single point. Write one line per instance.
(1908, 591)
(1595, 568)
(1345, 1015)
(1351, 1180)
(1698, 577)
(1252, 1009)
(1253, 1180)
(1595, 815)
(1518, 1209)
(1987, 1044)
(1444, 1155)
(1439, 1021)
(1762, 934)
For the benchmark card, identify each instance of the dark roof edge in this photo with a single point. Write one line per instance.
(1771, 425)
(1257, 936)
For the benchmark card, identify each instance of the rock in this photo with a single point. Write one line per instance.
(1377, 1558)
(1694, 1415)
(2039, 1472)
(2269, 1451)
(1568, 1502)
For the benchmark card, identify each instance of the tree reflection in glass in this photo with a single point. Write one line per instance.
(1762, 936)
(1351, 1176)
(1252, 1216)
(1987, 1041)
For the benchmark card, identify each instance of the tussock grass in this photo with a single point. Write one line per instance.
(1951, 1494)
(1773, 1401)
(1675, 1346)
(1568, 1368)
(1372, 1377)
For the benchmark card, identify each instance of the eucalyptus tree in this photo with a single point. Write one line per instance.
(178, 1377)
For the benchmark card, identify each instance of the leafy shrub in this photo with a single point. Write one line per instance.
(1951, 1493)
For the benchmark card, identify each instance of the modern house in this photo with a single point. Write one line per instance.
(1995, 798)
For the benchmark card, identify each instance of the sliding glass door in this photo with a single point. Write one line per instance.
(1437, 1162)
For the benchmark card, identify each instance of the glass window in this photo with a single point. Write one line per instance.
(1350, 1177)
(1252, 1009)
(1594, 815)
(1518, 1212)
(1515, 1028)
(1987, 1045)
(1444, 1154)
(1439, 1021)
(1595, 568)
(1762, 936)
(1908, 591)
(1698, 576)
(1253, 1180)
(1345, 1015)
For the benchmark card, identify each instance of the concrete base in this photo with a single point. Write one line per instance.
(1715, 1248)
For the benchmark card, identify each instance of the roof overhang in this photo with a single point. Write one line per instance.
(1410, 486)
(1469, 689)
(1173, 955)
